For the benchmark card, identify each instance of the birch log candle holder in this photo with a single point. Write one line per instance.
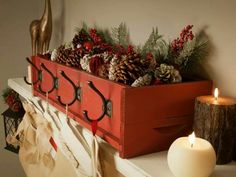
(215, 121)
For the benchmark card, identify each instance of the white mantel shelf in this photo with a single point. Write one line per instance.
(151, 165)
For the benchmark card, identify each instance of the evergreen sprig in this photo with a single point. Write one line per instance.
(121, 36)
(105, 34)
(190, 54)
(193, 53)
(156, 45)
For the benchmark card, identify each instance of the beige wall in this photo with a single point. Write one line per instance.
(140, 16)
(170, 16)
(15, 17)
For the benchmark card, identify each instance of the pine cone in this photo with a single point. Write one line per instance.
(54, 54)
(80, 38)
(103, 71)
(142, 81)
(168, 74)
(127, 69)
(62, 54)
(68, 56)
(84, 62)
(74, 58)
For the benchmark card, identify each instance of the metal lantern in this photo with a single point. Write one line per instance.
(11, 121)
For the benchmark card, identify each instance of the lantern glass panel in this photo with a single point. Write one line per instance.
(11, 122)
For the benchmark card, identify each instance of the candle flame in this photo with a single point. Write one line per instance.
(191, 139)
(216, 93)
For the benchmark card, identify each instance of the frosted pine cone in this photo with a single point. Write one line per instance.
(142, 81)
(103, 71)
(113, 64)
(84, 62)
(54, 55)
(168, 74)
(127, 69)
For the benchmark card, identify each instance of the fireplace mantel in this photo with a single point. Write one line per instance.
(151, 165)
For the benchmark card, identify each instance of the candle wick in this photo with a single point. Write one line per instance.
(191, 145)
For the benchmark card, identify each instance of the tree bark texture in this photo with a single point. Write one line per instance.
(217, 124)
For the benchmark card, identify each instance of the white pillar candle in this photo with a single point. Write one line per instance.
(191, 157)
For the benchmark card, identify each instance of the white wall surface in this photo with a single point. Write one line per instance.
(170, 16)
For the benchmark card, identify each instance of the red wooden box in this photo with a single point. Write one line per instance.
(143, 119)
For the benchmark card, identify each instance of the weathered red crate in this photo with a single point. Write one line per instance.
(143, 120)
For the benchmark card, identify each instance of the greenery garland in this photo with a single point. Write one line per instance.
(110, 54)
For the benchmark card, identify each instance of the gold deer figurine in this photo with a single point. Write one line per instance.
(41, 31)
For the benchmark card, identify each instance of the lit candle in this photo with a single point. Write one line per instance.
(191, 157)
(216, 94)
(214, 120)
(191, 139)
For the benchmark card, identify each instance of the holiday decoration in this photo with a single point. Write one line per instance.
(215, 121)
(142, 81)
(12, 116)
(41, 31)
(167, 74)
(107, 67)
(111, 55)
(68, 56)
(129, 68)
(12, 99)
(11, 121)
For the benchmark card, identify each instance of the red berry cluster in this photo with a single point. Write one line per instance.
(88, 45)
(96, 38)
(185, 35)
(130, 50)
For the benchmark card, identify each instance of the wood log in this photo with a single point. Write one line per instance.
(215, 121)
(234, 153)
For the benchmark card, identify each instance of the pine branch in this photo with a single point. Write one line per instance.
(105, 34)
(84, 27)
(121, 35)
(192, 54)
(156, 45)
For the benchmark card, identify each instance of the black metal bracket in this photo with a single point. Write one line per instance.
(55, 81)
(39, 73)
(106, 107)
(77, 91)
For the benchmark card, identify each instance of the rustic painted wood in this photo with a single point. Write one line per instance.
(215, 121)
(144, 120)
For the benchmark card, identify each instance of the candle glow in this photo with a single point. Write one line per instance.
(191, 139)
(216, 93)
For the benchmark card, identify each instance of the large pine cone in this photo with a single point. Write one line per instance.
(80, 38)
(103, 71)
(126, 69)
(69, 57)
(62, 54)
